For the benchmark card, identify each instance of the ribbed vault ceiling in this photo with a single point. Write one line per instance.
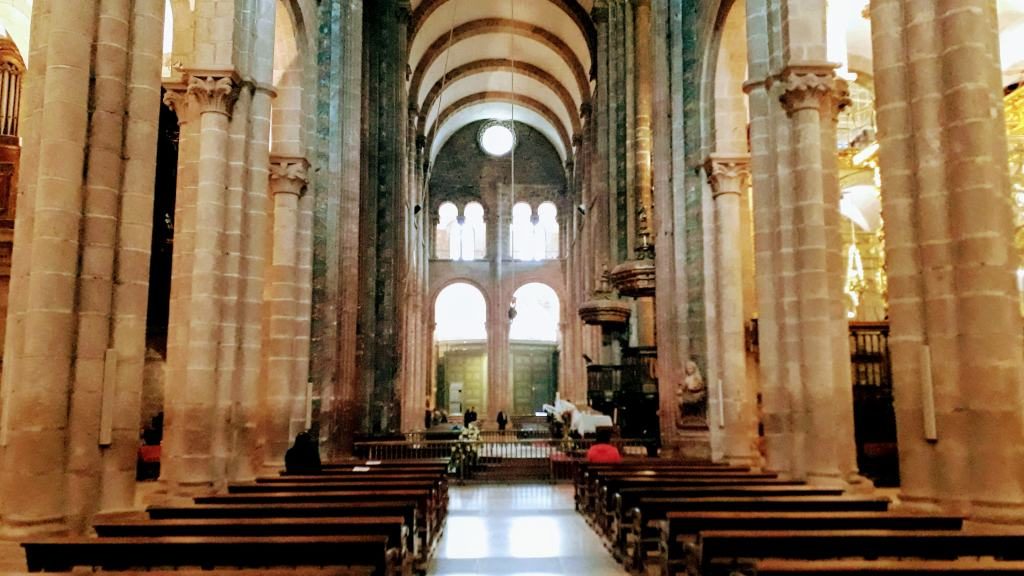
(492, 59)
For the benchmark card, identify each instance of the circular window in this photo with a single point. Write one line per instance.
(497, 139)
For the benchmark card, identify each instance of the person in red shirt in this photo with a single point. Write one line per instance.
(602, 452)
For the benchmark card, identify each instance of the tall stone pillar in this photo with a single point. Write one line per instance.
(955, 333)
(383, 232)
(284, 392)
(736, 418)
(75, 340)
(808, 90)
(194, 408)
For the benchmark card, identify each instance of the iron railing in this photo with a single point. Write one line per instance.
(509, 448)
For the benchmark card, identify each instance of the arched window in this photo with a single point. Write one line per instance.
(535, 237)
(446, 242)
(474, 232)
(461, 237)
(522, 232)
(547, 229)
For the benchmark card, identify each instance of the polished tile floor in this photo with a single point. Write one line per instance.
(521, 530)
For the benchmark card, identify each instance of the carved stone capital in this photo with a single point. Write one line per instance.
(807, 86)
(727, 174)
(213, 91)
(176, 98)
(288, 175)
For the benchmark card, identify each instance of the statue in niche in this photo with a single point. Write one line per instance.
(692, 396)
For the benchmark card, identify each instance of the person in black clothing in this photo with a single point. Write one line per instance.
(470, 416)
(304, 456)
(502, 421)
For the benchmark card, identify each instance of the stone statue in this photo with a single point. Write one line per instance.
(693, 398)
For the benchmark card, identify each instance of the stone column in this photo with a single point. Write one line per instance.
(776, 415)
(738, 423)
(288, 179)
(672, 334)
(955, 327)
(807, 91)
(189, 461)
(304, 307)
(69, 428)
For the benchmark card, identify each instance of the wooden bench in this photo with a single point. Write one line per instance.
(242, 512)
(962, 567)
(369, 553)
(586, 472)
(649, 519)
(426, 514)
(437, 487)
(624, 501)
(682, 529)
(591, 486)
(393, 527)
(731, 552)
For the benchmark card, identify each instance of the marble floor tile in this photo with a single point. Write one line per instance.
(523, 530)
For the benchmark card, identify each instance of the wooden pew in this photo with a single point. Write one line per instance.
(369, 553)
(426, 515)
(962, 567)
(586, 472)
(590, 486)
(438, 489)
(728, 552)
(393, 527)
(682, 529)
(624, 501)
(407, 510)
(651, 518)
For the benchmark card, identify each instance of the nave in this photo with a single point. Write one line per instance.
(526, 529)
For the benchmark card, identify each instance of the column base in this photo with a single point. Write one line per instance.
(180, 493)
(13, 529)
(996, 513)
(930, 505)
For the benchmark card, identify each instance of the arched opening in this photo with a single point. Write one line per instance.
(534, 337)
(547, 229)
(522, 232)
(460, 348)
(535, 235)
(474, 232)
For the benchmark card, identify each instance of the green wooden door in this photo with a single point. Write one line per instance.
(534, 376)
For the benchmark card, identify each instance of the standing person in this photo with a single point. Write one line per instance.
(470, 416)
(502, 421)
(602, 452)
